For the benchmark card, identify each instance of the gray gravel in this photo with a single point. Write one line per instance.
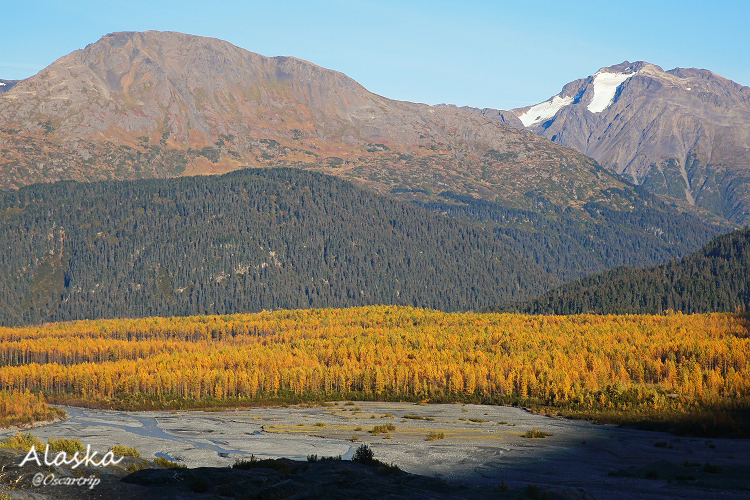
(489, 449)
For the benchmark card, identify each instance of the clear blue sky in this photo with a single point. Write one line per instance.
(478, 53)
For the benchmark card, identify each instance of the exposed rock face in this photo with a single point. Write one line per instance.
(160, 104)
(683, 133)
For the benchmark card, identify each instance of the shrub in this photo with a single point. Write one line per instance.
(535, 433)
(22, 442)
(125, 451)
(383, 429)
(364, 455)
(434, 436)
(69, 446)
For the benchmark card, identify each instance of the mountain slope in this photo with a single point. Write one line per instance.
(683, 133)
(155, 104)
(716, 278)
(245, 241)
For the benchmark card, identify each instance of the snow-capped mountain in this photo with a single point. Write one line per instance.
(682, 132)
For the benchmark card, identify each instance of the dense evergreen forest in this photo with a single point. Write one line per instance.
(245, 241)
(571, 244)
(716, 278)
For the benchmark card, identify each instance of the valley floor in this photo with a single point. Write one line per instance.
(482, 446)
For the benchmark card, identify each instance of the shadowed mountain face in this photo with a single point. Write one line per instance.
(6, 85)
(683, 133)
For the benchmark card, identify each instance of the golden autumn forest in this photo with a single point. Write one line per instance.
(664, 369)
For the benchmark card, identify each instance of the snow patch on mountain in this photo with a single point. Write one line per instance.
(605, 88)
(2, 84)
(544, 110)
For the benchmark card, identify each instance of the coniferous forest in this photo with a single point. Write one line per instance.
(715, 278)
(245, 241)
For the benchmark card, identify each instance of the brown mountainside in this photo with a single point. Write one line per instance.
(158, 104)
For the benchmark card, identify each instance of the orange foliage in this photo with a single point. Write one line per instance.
(385, 352)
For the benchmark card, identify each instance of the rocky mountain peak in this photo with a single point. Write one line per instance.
(683, 132)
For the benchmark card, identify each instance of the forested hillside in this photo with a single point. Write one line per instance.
(245, 241)
(640, 230)
(716, 278)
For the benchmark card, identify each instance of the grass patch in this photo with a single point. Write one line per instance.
(434, 436)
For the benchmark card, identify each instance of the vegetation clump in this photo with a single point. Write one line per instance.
(125, 451)
(383, 429)
(536, 434)
(434, 436)
(69, 446)
(22, 442)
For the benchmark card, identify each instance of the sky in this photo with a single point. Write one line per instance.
(493, 54)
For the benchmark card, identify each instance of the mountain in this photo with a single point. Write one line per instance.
(161, 104)
(245, 241)
(716, 278)
(155, 104)
(684, 133)
(6, 85)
